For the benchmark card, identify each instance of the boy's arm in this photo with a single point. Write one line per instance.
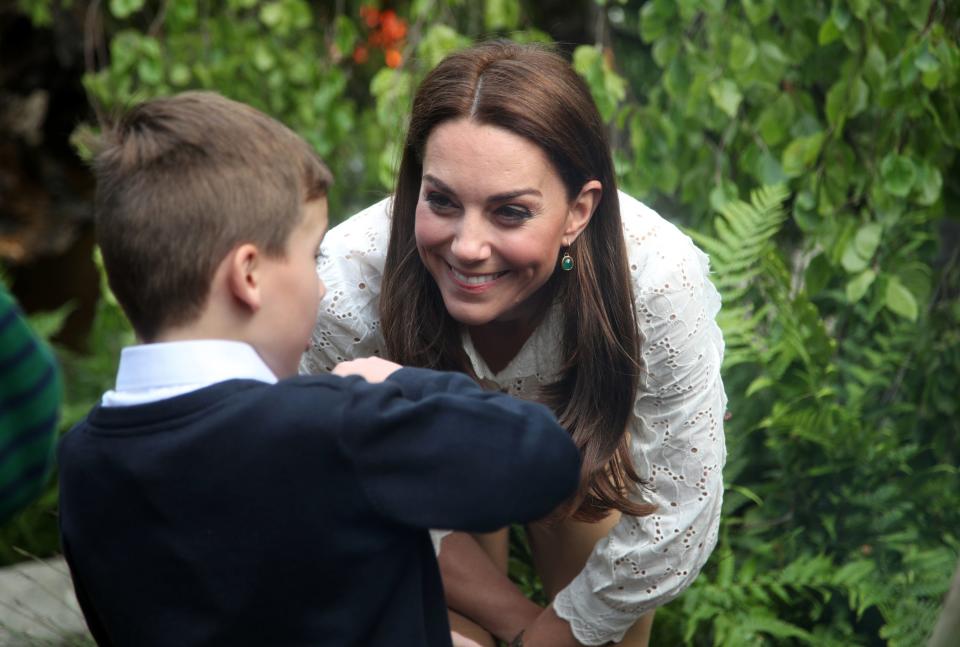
(434, 450)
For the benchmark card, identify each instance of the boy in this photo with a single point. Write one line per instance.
(205, 503)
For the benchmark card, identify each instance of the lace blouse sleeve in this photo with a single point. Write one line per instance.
(677, 440)
(351, 267)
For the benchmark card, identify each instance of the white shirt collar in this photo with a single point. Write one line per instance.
(152, 372)
(537, 357)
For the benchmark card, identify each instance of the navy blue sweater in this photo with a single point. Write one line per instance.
(295, 513)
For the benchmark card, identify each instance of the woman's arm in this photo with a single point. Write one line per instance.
(677, 444)
(477, 589)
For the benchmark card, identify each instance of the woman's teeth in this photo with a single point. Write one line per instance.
(477, 279)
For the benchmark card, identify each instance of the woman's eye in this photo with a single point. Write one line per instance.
(514, 212)
(439, 201)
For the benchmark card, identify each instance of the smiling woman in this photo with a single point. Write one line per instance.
(512, 257)
(491, 215)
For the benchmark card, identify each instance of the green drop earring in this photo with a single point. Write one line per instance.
(566, 262)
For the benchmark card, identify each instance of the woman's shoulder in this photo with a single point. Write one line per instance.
(367, 232)
(661, 256)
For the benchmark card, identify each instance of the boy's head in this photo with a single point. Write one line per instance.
(184, 182)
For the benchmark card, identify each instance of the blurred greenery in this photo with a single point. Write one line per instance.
(810, 146)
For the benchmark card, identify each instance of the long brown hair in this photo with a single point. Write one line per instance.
(532, 92)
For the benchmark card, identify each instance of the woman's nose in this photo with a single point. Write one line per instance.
(471, 242)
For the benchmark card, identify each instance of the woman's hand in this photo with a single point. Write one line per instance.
(372, 369)
(549, 630)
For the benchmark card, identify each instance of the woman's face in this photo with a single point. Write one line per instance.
(491, 218)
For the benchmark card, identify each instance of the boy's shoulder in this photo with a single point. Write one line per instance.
(302, 396)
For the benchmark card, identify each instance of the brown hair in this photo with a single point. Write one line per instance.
(183, 180)
(533, 92)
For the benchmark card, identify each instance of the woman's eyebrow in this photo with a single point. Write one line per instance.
(499, 197)
(510, 195)
(440, 184)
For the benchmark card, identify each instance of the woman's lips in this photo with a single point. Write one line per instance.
(474, 280)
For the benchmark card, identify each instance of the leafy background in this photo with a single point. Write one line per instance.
(810, 146)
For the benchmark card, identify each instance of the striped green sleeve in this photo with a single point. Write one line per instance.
(30, 397)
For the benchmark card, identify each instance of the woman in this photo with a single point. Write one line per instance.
(512, 257)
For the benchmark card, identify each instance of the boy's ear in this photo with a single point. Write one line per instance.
(243, 275)
(581, 210)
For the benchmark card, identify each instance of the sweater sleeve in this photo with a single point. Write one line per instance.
(677, 447)
(30, 394)
(351, 267)
(434, 450)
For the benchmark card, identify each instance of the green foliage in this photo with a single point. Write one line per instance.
(298, 62)
(841, 504)
(840, 289)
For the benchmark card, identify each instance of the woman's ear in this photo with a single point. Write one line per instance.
(243, 276)
(581, 210)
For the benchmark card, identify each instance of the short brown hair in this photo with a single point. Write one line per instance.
(532, 92)
(181, 181)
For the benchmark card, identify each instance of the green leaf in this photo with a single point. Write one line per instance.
(836, 107)
(858, 285)
(926, 62)
(179, 74)
(859, 8)
(900, 300)
(48, 323)
(801, 153)
(607, 87)
(655, 16)
(928, 185)
(272, 14)
(774, 122)
(817, 275)
(439, 41)
(846, 100)
(182, 13)
(345, 34)
(768, 169)
(263, 58)
(501, 14)
(733, 487)
(852, 260)
(758, 11)
(867, 239)
(125, 8)
(828, 33)
(840, 16)
(859, 96)
(726, 96)
(898, 173)
(150, 71)
(665, 51)
(742, 52)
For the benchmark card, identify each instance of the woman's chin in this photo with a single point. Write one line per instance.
(469, 315)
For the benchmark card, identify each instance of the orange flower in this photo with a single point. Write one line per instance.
(360, 55)
(393, 57)
(370, 15)
(393, 28)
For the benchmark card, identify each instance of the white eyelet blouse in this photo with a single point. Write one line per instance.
(676, 426)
